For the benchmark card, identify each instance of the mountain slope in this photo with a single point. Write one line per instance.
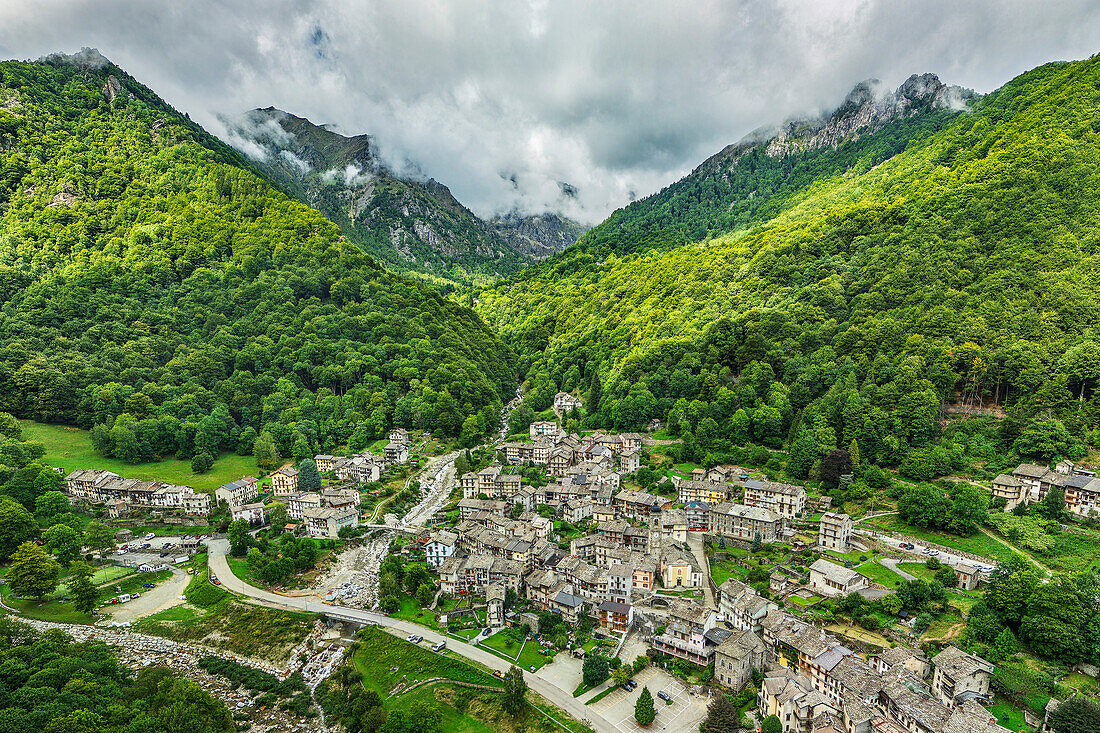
(154, 285)
(947, 256)
(411, 225)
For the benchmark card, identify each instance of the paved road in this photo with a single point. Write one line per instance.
(695, 542)
(893, 565)
(555, 695)
(918, 549)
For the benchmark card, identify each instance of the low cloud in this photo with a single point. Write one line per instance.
(350, 175)
(507, 102)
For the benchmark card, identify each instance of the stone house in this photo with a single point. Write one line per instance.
(737, 657)
(785, 500)
(737, 521)
(835, 532)
(957, 676)
(236, 493)
(832, 580)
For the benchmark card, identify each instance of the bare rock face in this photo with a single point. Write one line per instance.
(112, 88)
(65, 197)
(538, 236)
(866, 109)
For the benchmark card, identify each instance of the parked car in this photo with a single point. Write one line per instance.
(439, 647)
(411, 637)
(190, 571)
(150, 536)
(165, 545)
(120, 552)
(664, 696)
(215, 581)
(147, 585)
(630, 685)
(934, 553)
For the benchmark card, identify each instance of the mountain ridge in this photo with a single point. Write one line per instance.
(412, 224)
(947, 256)
(159, 290)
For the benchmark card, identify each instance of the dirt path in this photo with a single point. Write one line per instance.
(1017, 550)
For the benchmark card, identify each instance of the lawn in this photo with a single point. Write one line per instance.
(879, 574)
(385, 660)
(979, 544)
(71, 448)
(529, 657)
(240, 568)
(503, 643)
(1010, 718)
(850, 556)
(918, 569)
(721, 572)
(804, 602)
(410, 610)
(51, 610)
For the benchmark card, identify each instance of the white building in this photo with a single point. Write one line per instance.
(251, 513)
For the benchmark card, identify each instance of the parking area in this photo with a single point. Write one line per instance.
(681, 714)
(155, 550)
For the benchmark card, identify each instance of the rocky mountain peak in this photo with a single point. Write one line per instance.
(865, 109)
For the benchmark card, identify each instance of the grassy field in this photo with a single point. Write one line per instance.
(804, 602)
(71, 448)
(1073, 553)
(411, 611)
(453, 719)
(240, 568)
(879, 574)
(917, 569)
(384, 661)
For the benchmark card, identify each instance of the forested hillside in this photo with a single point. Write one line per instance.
(51, 683)
(944, 258)
(155, 286)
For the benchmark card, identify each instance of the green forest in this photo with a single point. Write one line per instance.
(159, 291)
(52, 684)
(946, 261)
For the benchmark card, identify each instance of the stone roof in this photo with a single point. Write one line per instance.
(759, 514)
(834, 572)
(957, 664)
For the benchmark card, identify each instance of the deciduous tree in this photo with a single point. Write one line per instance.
(33, 573)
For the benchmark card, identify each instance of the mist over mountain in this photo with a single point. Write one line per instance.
(410, 222)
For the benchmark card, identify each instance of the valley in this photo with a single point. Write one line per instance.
(804, 442)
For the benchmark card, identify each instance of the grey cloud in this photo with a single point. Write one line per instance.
(613, 98)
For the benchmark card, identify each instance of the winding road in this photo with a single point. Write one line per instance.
(217, 549)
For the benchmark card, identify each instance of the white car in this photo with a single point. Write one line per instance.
(150, 536)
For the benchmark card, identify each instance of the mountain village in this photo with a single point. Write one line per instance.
(634, 565)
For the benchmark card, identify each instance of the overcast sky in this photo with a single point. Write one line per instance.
(614, 98)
